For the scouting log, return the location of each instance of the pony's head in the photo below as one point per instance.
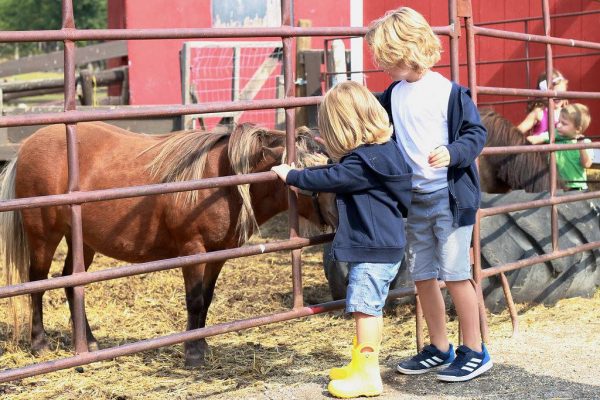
(182, 156)
(256, 149)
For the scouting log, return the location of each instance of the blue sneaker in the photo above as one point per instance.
(467, 365)
(428, 359)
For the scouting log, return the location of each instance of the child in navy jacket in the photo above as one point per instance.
(372, 183)
(438, 130)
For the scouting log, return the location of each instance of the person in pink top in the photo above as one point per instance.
(536, 121)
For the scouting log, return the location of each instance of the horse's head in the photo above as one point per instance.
(322, 209)
(255, 149)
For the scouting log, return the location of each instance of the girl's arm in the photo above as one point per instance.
(531, 119)
(346, 177)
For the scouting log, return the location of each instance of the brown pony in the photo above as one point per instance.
(142, 229)
(501, 173)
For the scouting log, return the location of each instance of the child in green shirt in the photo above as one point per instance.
(571, 164)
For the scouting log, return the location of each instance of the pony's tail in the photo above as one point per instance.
(14, 249)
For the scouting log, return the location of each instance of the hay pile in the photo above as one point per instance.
(242, 364)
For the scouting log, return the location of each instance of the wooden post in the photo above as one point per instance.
(302, 43)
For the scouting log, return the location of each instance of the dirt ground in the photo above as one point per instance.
(553, 357)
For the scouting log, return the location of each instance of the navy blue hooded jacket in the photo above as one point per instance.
(466, 138)
(373, 192)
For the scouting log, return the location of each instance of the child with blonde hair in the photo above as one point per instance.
(438, 130)
(573, 121)
(371, 181)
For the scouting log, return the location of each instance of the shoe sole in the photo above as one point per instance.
(355, 395)
(474, 374)
(419, 371)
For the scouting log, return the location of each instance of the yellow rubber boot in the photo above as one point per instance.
(364, 378)
(344, 372)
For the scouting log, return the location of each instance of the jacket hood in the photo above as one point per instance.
(388, 164)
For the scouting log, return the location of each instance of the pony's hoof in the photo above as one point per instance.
(40, 349)
(194, 361)
(93, 346)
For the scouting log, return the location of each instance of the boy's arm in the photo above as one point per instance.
(345, 177)
(584, 156)
(471, 140)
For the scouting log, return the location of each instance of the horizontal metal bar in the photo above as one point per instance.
(116, 113)
(160, 265)
(540, 18)
(537, 93)
(184, 33)
(539, 259)
(169, 340)
(134, 191)
(550, 201)
(538, 148)
(526, 37)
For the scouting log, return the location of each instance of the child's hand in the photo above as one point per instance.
(439, 157)
(281, 171)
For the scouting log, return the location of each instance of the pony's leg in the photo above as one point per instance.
(41, 253)
(88, 257)
(200, 283)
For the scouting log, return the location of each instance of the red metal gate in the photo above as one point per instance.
(69, 34)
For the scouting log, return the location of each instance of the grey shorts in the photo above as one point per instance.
(368, 287)
(436, 249)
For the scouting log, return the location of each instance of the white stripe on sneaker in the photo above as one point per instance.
(468, 368)
(476, 359)
(436, 358)
(472, 364)
(431, 362)
(425, 364)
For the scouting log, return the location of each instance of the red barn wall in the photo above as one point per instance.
(582, 72)
(154, 64)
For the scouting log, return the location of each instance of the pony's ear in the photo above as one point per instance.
(273, 154)
(310, 139)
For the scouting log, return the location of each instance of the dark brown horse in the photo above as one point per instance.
(149, 228)
(501, 173)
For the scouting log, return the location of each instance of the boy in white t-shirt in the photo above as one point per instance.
(438, 130)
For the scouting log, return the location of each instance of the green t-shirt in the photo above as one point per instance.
(568, 164)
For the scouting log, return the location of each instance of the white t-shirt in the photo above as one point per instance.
(419, 110)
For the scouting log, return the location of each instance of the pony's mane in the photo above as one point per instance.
(528, 171)
(183, 156)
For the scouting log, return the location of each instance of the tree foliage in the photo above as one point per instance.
(25, 15)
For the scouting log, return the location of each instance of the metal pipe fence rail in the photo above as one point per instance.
(69, 34)
(553, 200)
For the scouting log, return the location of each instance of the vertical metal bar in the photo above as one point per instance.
(527, 63)
(471, 66)
(550, 84)
(291, 151)
(78, 312)
(235, 96)
(510, 303)
(454, 41)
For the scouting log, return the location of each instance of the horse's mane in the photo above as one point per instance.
(183, 156)
(528, 171)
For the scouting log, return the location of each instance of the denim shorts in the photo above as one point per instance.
(368, 286)
(436, 248)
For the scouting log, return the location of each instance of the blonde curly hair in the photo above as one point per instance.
(403, 37)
